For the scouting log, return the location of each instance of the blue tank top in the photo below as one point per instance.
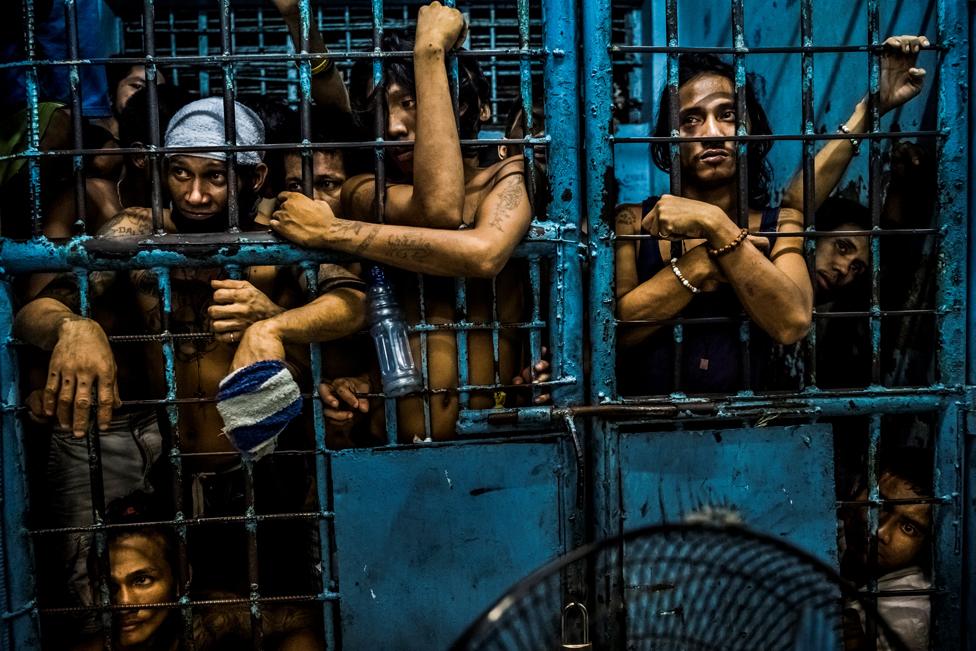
(711, 353)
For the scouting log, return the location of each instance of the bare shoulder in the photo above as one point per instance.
(508, 168)
(357, 196)
(627, 219)
(130, 222)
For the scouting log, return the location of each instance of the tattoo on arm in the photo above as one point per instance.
(509, 199)
(409, 247)
(364, 245)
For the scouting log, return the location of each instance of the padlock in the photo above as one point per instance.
(585, 619)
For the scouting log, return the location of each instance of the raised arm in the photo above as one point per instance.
(775, 291)
(436, 197)
(328, 89)
(500, 223)
(900, 81)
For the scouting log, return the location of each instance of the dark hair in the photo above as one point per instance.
(691, 65)
(473, 88)
(274, 112)
(836, 211)
(911, 464)
(139, 510)
(134, 120)
(116, 71)
(329, 124)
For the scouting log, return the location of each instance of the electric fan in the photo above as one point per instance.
(683, 586)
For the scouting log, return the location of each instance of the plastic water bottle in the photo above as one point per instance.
(389, 331)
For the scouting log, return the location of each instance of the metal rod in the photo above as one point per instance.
(77, 163)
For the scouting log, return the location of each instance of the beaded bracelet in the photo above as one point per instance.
(681, 277)
(731, 246)
(855, 142)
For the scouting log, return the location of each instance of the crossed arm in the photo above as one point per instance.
(775, 292)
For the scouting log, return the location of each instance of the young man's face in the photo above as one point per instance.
(198, 186)
(903, 529)
(401, 124)
(133, 81)
(839, 260)
(707, 104)
(328, 175)
(140, 574)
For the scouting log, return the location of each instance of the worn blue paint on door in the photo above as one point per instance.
(780, 480)
(427, 537)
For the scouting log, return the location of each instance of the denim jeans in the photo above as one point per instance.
(129, 448)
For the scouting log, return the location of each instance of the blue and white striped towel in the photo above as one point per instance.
(257, 402)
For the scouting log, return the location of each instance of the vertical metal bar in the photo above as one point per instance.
(873, 515)
(323, 479)
(806, 101)
(597, 93)
(20, 630)
(77, 161)
(97, 487)
(262, 71)
(230, 121)
(741, 114)
(493, 72)
(173, 50)
(253, 567)
(33, 121)
(953, 206)
(525, 89)
(495, 328)
(175, 455)
(950, 573)
(305, 97)
(460, 283)
(741, 166)
(424, 368)
(535, 336)
(561, 103)
(203, 49)
(674, 150)
(874, 185)
(155, 128)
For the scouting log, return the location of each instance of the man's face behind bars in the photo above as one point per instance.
(707, 110)
(140, 574)
(401, 124)
(198, 187)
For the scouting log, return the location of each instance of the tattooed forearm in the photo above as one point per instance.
(407, 247)
(370, 236)
(508, 200)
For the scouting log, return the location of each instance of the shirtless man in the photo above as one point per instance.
(446, 218)
(204, 301)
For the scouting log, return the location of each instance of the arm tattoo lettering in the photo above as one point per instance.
(364, 245)
(508, 200)
(408, 247)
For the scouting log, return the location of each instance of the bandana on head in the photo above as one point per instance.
(201, 124)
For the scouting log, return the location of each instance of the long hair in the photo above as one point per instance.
(691, 65)
(473, 88)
